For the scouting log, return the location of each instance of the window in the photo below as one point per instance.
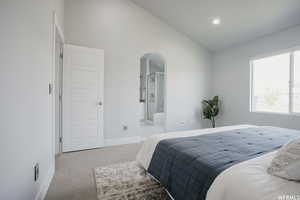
(275, 83)
(296, 85)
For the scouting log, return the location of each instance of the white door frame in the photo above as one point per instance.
(56, 28)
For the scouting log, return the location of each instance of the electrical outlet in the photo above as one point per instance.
(36, 172)
(125, 128)
(50, 88)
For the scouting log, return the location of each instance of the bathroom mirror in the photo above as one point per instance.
(152, 89)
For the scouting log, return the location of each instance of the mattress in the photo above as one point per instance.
(221, 186)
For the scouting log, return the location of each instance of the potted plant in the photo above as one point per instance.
(211, 109)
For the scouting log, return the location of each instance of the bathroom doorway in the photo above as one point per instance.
(153, 90)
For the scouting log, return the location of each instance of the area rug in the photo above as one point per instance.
(127, 181)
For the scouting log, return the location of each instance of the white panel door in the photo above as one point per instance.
(83, 82)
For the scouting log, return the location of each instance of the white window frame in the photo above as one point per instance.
(291, 52)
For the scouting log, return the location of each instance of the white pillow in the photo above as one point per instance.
(286, 163)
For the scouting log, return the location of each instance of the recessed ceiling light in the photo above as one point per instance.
(216, 21)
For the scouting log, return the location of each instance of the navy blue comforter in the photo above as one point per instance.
(187, 167)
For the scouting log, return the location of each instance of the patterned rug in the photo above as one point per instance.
(127, 181)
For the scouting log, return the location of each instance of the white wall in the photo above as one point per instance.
(231, 80)
(25, 108)
(126, 32)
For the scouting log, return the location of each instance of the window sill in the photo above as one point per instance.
(276, 113)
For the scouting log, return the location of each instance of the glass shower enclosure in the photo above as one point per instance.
(155, 94)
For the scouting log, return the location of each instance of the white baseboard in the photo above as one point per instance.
(46, 183)
(127, 140)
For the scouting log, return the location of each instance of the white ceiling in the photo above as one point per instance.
(242, 20)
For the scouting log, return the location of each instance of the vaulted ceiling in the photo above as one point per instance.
(241, 20)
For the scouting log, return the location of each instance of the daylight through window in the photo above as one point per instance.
(275, 83)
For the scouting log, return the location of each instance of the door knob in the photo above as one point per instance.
(100, 103)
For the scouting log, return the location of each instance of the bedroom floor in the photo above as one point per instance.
(73, 179)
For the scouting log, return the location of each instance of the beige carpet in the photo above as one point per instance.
(74, 176)
(127, 181)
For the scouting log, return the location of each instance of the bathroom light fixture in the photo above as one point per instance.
(216, 21)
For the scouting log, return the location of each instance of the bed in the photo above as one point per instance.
(212, 163)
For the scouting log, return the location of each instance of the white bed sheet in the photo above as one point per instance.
(248, 180)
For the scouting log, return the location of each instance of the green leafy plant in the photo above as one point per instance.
(211, 109)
